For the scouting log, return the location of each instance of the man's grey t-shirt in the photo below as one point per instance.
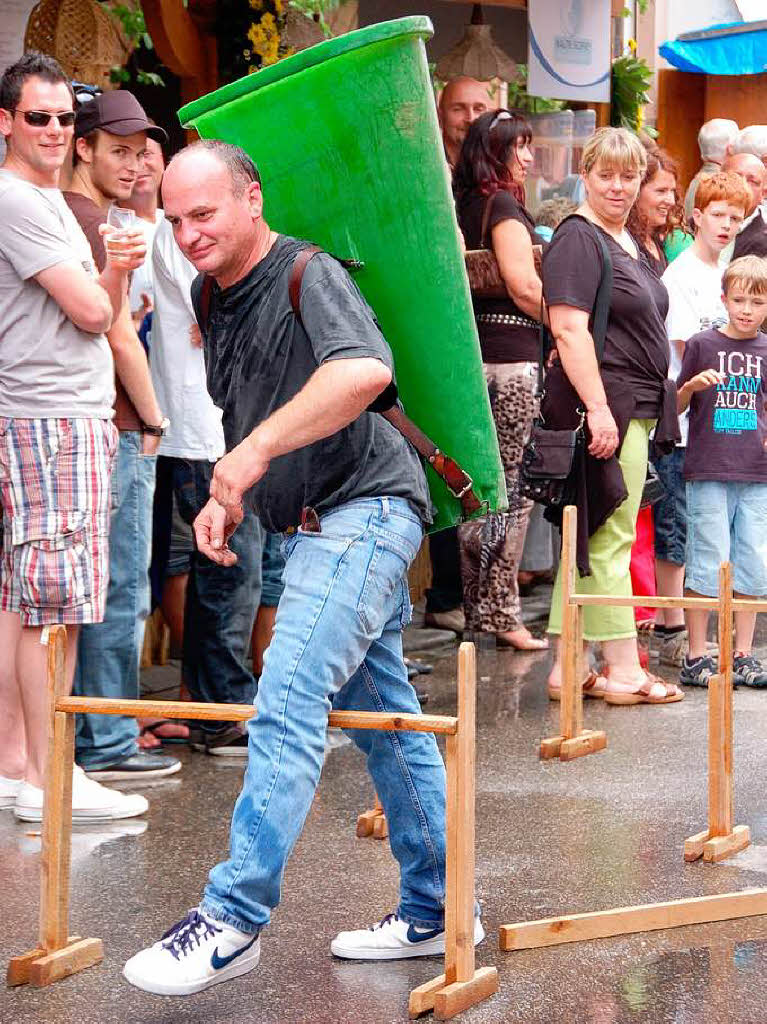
(48, 366)
(259, 356)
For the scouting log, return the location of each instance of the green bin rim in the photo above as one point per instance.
(417, 25)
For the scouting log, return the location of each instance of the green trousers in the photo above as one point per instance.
(610, 550)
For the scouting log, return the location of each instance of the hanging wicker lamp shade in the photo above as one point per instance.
(477, 56)
(81, 34)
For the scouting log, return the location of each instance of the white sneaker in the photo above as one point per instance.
(394, 939)
(90, 801)
(9, 789)
(196, 953)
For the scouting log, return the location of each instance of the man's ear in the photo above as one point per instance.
(84, 150)
(6, 119)
(255, 199)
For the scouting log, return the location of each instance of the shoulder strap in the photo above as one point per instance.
(485, 221)
(457, 481)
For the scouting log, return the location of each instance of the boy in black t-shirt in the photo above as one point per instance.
(722, 381)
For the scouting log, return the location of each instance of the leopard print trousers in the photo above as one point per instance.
(491, 547)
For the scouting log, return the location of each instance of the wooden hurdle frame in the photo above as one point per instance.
(721, 839)
(59, 955)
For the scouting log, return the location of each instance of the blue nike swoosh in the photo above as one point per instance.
(414, 936)
(217, 962)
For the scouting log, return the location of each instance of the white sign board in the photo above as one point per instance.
(568, 48)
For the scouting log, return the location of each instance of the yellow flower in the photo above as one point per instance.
(257, 5)
(632, 43)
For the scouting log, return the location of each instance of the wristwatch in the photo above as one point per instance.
(159, 431)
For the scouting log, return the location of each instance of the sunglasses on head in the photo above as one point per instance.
(40, 118)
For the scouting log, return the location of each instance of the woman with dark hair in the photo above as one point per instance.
(488, 183)
(658, 208)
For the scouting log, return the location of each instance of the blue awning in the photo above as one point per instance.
(736, 49)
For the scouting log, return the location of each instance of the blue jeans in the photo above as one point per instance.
(221, 602)
(337, 644)
(109, 652)
(726, 522)
(669, 515)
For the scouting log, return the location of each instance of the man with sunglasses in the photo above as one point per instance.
(57, 439)
(111, 132)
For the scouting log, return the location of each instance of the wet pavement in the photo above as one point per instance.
(604, 831)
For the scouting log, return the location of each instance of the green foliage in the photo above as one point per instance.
(631, 79)
(520, 99)
(315, 10)
(133, 26)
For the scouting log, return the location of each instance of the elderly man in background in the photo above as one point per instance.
(714, 141)
(751, 239)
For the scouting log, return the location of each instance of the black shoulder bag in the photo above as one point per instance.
(549, 457)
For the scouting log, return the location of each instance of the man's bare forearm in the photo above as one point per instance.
(333, 397)
(132, 367)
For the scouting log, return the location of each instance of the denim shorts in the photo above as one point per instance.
(726, 521)
(669, 515)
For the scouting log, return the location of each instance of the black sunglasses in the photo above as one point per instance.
(40, 118)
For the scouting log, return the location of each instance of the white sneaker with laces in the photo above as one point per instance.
(9, 789)
(90, 801)
(193, 955)
(394, 939)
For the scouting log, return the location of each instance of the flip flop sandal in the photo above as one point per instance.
(642, 695)
(158, 735)
(589, 687)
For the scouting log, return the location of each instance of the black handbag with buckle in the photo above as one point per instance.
(550, 456)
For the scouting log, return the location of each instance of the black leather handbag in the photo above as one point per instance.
(550, 456)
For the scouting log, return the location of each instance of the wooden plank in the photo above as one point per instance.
(451, 860)
(604, 924)
(365, 823)
(422, 998)
(568, 713)
(648, 601)
(63, 962)
(380, 827)
(465, 811)
(720, 717)
(57, 835)
(439, 724)
(461, 995)
(757, 605)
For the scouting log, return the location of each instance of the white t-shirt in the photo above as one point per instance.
(141, 280)
(178, 366)
(694, 305)
(48, 366)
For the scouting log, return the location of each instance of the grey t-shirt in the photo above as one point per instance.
(48, 366)
(259, 357)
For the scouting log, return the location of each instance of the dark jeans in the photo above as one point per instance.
(446, 591)
(221, 602)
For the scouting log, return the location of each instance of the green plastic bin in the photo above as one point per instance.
(347, 143)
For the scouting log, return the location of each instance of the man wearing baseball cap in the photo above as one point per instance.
(110, 138)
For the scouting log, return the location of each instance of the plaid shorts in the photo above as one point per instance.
(55, 498)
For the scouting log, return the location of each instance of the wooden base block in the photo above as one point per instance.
(448, 1000)
(693, 847)
(372, 823)
(604, 924)
(461, 995)
(719, 847)
(716, 848)
(46, 968)
(588, 742)
(422, 998)
(365, 823)
(18, 968)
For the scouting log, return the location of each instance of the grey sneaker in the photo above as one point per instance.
(229, 742)
(748, 671)
(672, 649)
(698, 671)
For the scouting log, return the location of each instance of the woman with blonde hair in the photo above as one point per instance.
(621, 397)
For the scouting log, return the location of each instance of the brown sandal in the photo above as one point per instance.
(589, 687)
(642, 695)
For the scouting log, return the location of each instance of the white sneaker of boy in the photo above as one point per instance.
(193, 955)
(394, 939)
